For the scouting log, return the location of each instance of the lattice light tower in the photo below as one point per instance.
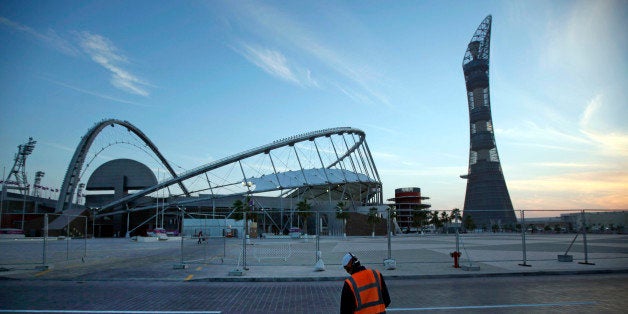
(487, 200)
(19, 166)
(37, 184)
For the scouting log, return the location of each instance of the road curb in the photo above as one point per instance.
(413, 277)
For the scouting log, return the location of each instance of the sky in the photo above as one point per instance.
(208, 79)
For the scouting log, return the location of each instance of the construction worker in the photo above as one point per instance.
(365, 291)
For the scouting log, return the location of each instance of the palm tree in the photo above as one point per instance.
(341, 213)
(303, 209)
(372, 219)
(434, 220)
(444, 218)
(249, 208)
(239, 208)
(455, 215)
(237, 213)
(419, 218)
(468, 223)
(392, 214)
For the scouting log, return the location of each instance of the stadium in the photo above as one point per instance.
(289, 184)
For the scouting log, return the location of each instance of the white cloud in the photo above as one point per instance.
(583, 40)
(104, 52)
(354, 95)
(567, 165)
(272, 25)
(50, 37)
(386, 156)
(100, 49)
(555, 137)
(276, 64)
(418, 171)
(612, 143)
(590, 110)
(84, 91)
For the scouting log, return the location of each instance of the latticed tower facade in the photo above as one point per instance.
(487, 200)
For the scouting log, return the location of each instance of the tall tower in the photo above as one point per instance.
(487, 200)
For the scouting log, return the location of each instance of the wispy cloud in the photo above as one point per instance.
(614, 143)
(359, 81)
(84, 91)
(385, 155)
(587, 31)
(354, 95)
(276, 64)
(417, 172)
(60, 147)
(574, 165)
(100, 49)
(590, 110)
(532, 133)
(104, 52)
(49, 38)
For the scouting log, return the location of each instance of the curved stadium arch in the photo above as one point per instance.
(324, 166)
(73, 175)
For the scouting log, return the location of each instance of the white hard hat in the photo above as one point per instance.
(347, 258)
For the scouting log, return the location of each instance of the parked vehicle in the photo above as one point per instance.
(295, 232)
(159, 233)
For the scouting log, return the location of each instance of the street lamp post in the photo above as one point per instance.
(2, 200)
(245, 233)
(94, 211)
(24, 208)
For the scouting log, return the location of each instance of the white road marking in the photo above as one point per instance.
(488, 306)
(109, 312)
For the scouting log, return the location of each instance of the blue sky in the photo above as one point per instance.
(208, 79)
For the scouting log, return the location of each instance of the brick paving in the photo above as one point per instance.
(520, 294)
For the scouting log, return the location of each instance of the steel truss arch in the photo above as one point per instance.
(480, 45)
(322, 175)
(72, 175)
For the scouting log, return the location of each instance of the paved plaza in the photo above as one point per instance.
(117, 275)
(220, 259)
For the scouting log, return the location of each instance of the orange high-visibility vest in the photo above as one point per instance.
(367, 290)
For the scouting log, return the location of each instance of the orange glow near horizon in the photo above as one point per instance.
(572, 191)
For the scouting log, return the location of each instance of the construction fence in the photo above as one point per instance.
(42, 239)
(522, 244)
(290, 239)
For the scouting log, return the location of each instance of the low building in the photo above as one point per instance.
(407, 201)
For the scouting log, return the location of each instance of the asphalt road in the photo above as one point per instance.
(598, 293)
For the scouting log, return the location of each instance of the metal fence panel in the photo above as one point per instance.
(38, 245)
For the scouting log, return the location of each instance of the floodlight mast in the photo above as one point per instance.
(19, 167)
(37, 183)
